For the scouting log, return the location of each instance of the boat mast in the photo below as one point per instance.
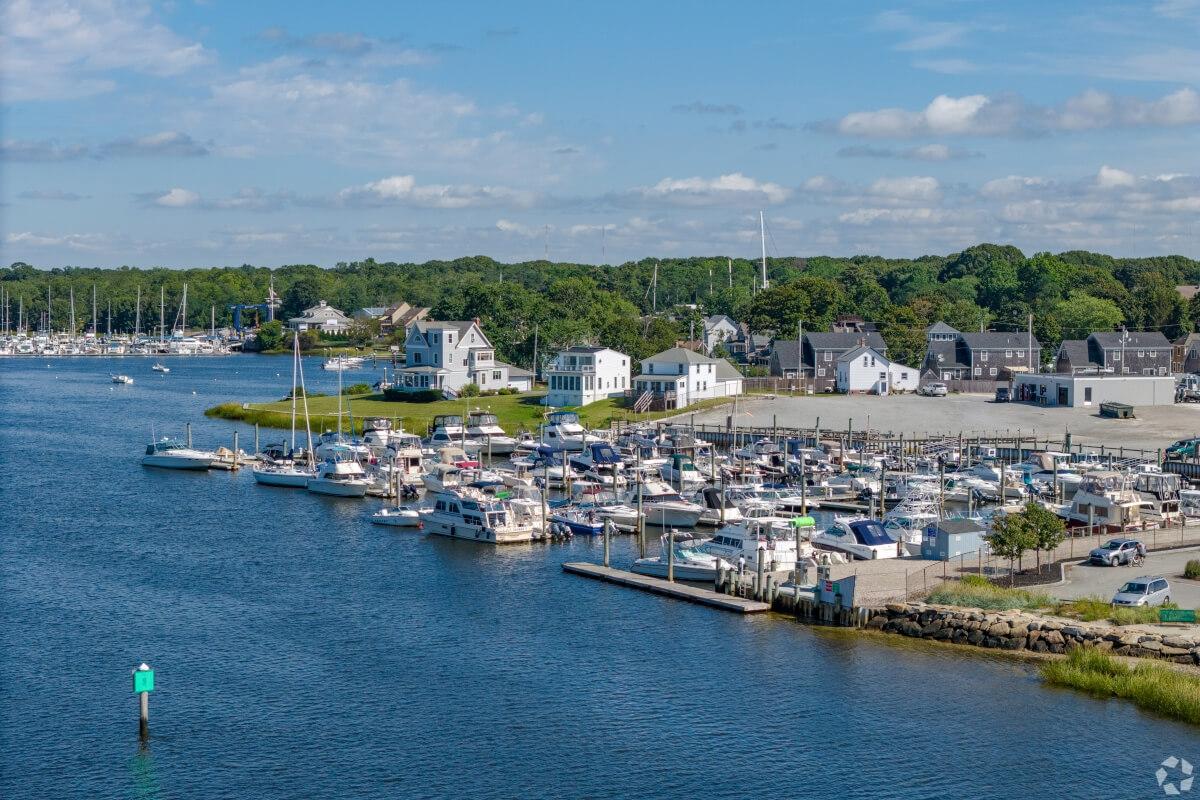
(307, 426)
(47, 309)
(21, 314)
(339, 431)
(72, 312)
(137, 313)
(94, 318)
(162, 311)
(108, 324)
(214, 326)
(295, 360)
(762, 230)
(183, 312)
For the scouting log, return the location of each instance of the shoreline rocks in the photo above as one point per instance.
(1019, 630)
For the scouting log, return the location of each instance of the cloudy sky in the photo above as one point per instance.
(202, 133)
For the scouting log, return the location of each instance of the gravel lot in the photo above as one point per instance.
(972, 414)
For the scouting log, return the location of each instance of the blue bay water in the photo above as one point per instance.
(302, 652)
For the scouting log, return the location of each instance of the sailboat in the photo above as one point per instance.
(289, 472)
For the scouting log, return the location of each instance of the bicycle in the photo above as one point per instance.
(1138, 561)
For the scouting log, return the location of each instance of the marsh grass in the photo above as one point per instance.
(1149, 686)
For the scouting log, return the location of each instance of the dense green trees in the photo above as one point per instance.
(986, 286)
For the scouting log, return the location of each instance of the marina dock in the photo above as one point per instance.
(679, 591)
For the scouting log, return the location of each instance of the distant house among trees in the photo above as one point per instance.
(322, 317)
(1120, 352)
(396, 317)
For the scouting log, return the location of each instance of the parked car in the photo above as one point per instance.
(1003, 394)
(933, 390)
(1184, 448)
(1146, 591)
(1115, 552)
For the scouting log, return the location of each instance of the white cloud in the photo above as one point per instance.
(1005, 115)
(177, 198)
(1011, 184)
(909, 188)
(734, 188)
(404, 190)
(925, 152)
(1111, 177)
(56, 49)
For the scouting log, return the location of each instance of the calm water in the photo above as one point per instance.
(302, 652)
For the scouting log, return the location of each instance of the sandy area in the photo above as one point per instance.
(1155, 426)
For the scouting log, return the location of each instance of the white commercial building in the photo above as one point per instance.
(1082, 390)
(865, 370)
(582, 375)
(678, 377)
(321, 317)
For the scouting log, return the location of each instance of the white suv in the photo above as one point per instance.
(933, 390)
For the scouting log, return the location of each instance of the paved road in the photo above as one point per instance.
(1085, 579)
(1155, 426)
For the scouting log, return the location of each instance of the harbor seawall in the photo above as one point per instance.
(1011, 630)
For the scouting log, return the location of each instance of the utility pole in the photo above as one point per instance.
(799, 360)
(535, 352)
(1031, 342)
(729, 270)
(94, 319)
(654, 290)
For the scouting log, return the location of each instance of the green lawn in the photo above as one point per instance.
(515, 412)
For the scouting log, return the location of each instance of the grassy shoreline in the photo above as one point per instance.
(1149, 686)
(514, 412)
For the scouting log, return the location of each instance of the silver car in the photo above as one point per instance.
(933, 390)
(1148, 591)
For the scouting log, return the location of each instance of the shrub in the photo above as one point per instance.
(400, 396)
(1192, 569)
(469, 390)
(1151, 687)
(975, 591)
(507, 390)
(1091, 609)
(357, 388)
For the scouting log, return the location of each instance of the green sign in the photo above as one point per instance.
(143, 680)
(1176, 615)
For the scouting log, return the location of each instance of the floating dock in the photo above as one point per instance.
(679, 591)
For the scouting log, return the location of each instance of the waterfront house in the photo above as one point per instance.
(583, 374)
(865, 370)
(1186, 356)
(676, 378)
(819, 353)
(1119, 352)
(447, 356)
(990, 357)
(719, 329)
(321, 317)
(395, 317)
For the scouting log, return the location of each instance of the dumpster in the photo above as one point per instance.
(1116, 410)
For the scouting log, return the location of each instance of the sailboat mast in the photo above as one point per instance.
(654, 290)
(162, 313)
(72, 312)
(339, 372)
(137, 313)
(48, 328)
(183, 312)
(213, 324)
(94, 318)
(762, 231)
(729, 270)
(108, 324)
(295, 360)
(307, 426)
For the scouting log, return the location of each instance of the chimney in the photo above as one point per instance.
(475, 320)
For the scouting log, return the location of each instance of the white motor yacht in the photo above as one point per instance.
(859, 537)
(663, 506)
(398, 517)
(170, 454)
(159, 367)
(600, 463)
(125, 379)
(562, 431)
(291, 475)
(1106, 499)
(688, 561)
(469, 514)
(485, 429)
(752, 540)
(680, 472)
(339, 475)
(719, 509)
(447, 430)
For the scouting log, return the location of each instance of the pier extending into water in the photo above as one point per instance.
(680, 591)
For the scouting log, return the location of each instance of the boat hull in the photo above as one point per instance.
(672, 517)
(291, 480)
(337, 488)
(474, 533)
(178, 462)
(657, 568)
(397, 520)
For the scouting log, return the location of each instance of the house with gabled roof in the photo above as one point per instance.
(395, 317)
(678, 377)
(987, 356)
(1118, 352)
(446, 356)
(321, 317)
(719, 329)
(865, 370)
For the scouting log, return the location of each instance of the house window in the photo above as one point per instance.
(496, 375)
(449, 338)
(1008, 353)
(983, 356)
(829, 355)
(864, 361)
(1162, 370)
(416, 358)
(979, 370)
(992, 372)
(1116, 355)
(1087, 394)
(1020, 354)
(820, 372)
(1141, 353)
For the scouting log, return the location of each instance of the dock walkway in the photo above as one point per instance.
(679, 591)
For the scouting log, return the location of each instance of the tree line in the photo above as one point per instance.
(987, 286)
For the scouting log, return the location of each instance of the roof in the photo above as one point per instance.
(716, 319)
(1076, 351)
(423, 368)
(1188, 291)
(515, 372)
(785, 350)
(949, 355)
(320, 313)
(726, 371)
(850, 355)
(958, 525)
(845, 341)
(680, 355)
(940, 327)
(583, 348)
(1143, 339)
(998, 340)
(372, 311)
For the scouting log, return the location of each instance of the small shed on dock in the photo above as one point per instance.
(950, 538)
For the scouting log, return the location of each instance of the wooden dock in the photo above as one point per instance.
(679, 591)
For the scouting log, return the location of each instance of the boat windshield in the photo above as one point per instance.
(870, 532)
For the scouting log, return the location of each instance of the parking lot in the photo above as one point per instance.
(1085, 580)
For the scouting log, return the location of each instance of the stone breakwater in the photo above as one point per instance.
(1014, 630)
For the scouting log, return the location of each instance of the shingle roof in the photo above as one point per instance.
(850, 355)
(949, 353)
(845, 341)
(726, 371)
(677, 355)
(715, 319)
(1132, 339)
(785, 352)
(940, 327)
(372, 311)
(1076, 351)
(515, 372)
(992, 340)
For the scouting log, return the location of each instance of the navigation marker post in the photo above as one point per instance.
(143, 685)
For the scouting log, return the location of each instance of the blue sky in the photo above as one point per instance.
(208, 133)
